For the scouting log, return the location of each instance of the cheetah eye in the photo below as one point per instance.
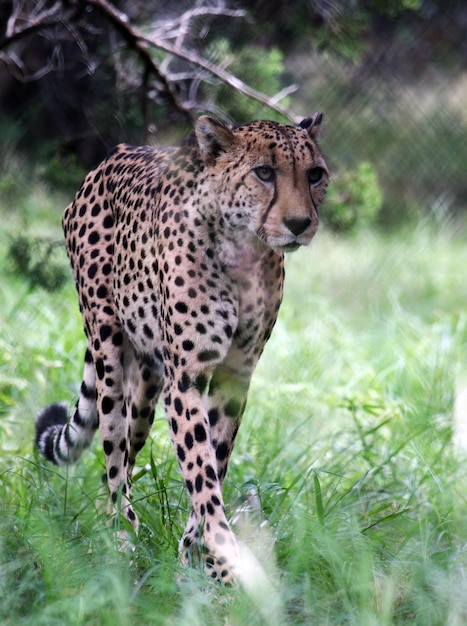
(315, 175)
(265, 173)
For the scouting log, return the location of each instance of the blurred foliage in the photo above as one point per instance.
(354, 199)
(259, 68)
(8, 185)
(35, 260)
(15, 169)
(337, 28)
(61, 169)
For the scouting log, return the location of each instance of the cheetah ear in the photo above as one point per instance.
(312, 124)
(213, 137)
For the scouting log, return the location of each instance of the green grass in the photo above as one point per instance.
(346, 453)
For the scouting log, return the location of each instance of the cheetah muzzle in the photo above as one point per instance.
(177, 255)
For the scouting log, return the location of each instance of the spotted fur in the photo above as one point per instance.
(177, 256)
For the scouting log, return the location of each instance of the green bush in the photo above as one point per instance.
(354, 199)
(36, 260)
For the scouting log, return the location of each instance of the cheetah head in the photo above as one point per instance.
(268, 179)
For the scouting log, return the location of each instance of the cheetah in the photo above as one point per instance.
(177, 255)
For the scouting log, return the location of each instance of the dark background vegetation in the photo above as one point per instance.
(76, 77)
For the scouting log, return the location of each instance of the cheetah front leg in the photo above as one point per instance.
(224, 405)
(208, 530)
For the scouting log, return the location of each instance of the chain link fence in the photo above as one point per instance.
(410, 127)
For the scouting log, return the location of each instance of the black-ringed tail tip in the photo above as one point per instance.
(49, 423)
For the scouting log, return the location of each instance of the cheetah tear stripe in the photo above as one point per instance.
(177, 255)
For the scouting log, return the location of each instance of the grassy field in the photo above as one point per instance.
(358, 512)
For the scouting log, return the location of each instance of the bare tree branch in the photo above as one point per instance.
(26, 20)
(141, 42)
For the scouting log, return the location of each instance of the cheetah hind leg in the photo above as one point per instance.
(141, 395)
(142, 384)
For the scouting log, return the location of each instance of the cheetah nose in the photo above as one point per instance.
(297, 225)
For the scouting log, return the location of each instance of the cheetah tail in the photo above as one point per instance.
(61, 439)
(58, 438)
